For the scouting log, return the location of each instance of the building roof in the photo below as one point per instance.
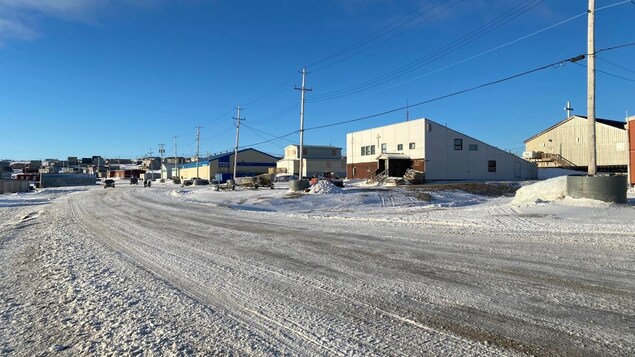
(230, 153)
(613, 123)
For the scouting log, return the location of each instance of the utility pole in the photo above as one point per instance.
(568, 109)
(161, 152)
(175, 162)
(591, 89)
(303, 90)
(198, 141)
(238, 120)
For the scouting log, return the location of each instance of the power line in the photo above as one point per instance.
(555, 64)
(608, 73)
(373, 36)
(278, 115)
(615, 64)
(435, 55)
(258, 133)
(551, 65)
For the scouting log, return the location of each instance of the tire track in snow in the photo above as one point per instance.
(351, 301)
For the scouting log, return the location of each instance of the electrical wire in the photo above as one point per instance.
(435, 55)
(615, 64)
(481, 54)
(432, 16)
(608, 73)
(278, 115)
(262, 134)
(551, 65)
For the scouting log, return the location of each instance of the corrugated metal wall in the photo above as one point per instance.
(570, 140)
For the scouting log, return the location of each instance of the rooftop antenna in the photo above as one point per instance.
(568, 109)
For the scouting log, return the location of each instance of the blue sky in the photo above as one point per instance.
(88, 77)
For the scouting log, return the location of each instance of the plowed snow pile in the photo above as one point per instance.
(544, 191)
(324, 187)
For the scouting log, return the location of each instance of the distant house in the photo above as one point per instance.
(168, 170)
(250, 162)
(440, 152)
(316, 160)
(565, 145)
(126, 173)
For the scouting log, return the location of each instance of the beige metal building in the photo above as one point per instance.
(442, 153)
(250, 162)
(566, 145)
(316, 160)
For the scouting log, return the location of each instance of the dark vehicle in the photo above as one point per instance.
(134, 181)
(109, 183)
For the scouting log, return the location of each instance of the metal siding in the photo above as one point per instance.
(445, 163)
(400, 133)
(570, 140)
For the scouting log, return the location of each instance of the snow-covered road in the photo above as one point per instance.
(133, 270)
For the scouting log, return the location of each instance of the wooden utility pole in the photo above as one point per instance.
(238, 120)
(303, 90)
(591, 90)
(198, 142)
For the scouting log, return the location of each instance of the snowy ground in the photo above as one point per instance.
(360, 271)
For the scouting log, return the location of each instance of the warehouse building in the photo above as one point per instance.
(566, 145)
(440, 152)
(250, 162)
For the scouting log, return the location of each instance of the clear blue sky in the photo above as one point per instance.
(87, 77)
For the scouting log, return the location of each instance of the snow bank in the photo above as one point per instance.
(324, 187)
(544, 191)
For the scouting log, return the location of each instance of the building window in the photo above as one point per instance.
(333, 152)
(411, 145)
(363, 150)
(354, 171)
(491, 166)
(383, 148)
(399, 147)
(428, 127)
(473, 147)
(304, 152)
(367, 150)
(372, 149)
(458, 144)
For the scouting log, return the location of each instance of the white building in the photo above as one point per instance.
(316, 160)
(440, 152)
